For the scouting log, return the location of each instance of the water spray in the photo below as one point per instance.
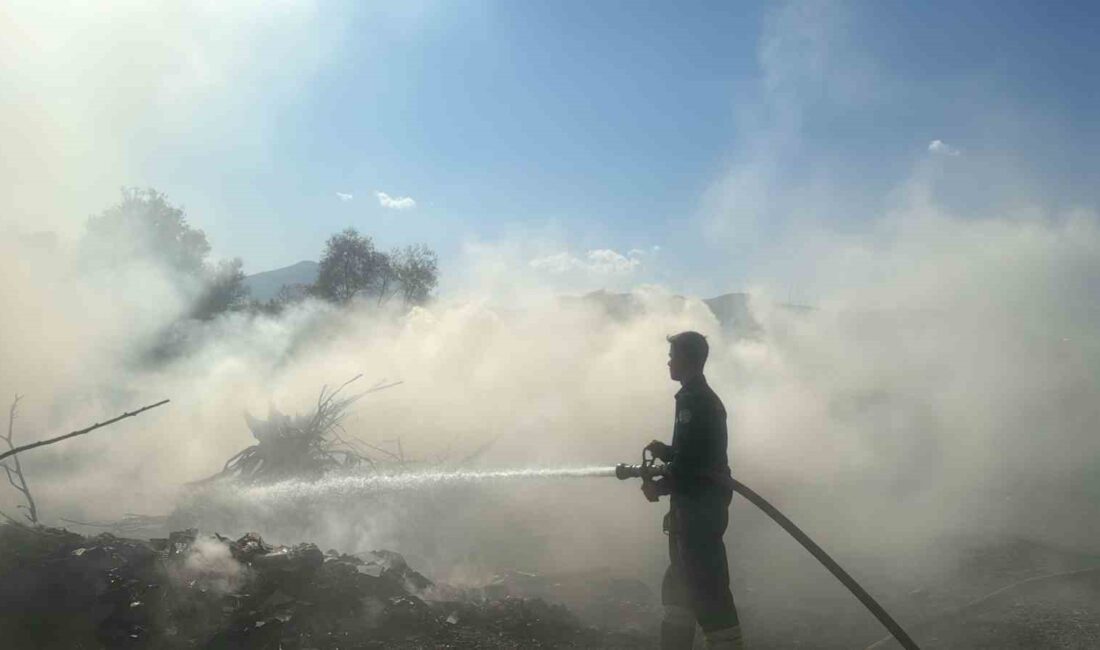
(349, 486)
(345, 486)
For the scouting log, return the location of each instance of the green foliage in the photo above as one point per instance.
(351, 266)
(224, 290)
(145, 226)
(290, 294)
(416, 269)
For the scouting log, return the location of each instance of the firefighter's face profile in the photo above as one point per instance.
(675, 365)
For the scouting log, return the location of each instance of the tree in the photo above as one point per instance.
(387, 278)
(15, 470)
(145, 226)
(416, 270)
(224, 290)
(350, 266)
(288, 295)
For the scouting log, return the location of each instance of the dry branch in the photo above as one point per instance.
(97, 425)
(300, 446)
(16, 471)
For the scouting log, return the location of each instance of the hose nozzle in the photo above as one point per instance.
(624, 471)
(647, 471)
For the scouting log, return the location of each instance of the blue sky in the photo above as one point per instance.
(707, 129)
(501, 116)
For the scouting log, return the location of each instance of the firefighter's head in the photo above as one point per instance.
(687, 354)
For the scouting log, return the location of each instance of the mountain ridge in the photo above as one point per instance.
(730, 309)
(266, 285)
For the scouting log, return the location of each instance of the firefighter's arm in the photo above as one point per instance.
(691, 458)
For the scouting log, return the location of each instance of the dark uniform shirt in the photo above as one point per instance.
(698, 573)
(699, 440)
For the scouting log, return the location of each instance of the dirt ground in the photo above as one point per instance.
(63, 590)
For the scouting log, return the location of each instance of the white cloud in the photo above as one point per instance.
(940, 147)
(605, 260)
(395, 202)
(556, 263)
(600, 261)
(344, 197)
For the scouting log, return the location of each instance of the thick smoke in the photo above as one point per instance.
(941, 387)
(211, 564)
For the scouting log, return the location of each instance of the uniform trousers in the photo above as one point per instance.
(696, 587)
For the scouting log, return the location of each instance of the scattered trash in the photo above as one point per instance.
(372, 570)
(198, 591)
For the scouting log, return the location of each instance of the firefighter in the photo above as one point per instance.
(696, 587)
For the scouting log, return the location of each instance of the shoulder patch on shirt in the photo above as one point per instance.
(684, 416)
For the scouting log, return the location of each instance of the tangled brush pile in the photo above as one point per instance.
(299, 446)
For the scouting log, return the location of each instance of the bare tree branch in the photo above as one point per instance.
(304, 445)
(81, 432)
(17, 472)
(11, 418)
(10, 478)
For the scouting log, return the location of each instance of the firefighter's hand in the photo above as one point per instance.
(651, 491)
(660, 451)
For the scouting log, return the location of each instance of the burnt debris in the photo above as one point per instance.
(63, 590)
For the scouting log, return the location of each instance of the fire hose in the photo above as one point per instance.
(649, 470)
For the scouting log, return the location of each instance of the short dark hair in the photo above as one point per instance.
(691, 345)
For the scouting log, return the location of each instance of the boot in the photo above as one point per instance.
(725, 639)
(677, 637)
(677, 629)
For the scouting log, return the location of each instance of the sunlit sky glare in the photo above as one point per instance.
(553, 129)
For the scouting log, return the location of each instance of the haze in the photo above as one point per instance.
(917, 235)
